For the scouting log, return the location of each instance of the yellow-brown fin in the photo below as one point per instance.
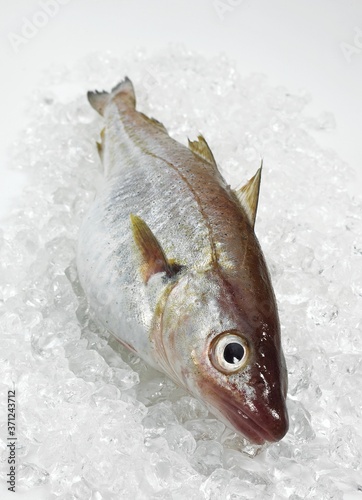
(248, 195)
(101, 145)
(153, 257)
(202, 149)
(154, 122)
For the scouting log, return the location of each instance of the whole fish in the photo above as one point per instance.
(170, 263)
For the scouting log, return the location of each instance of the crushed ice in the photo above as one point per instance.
(93, 420)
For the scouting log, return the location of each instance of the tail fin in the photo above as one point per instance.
(124, 91)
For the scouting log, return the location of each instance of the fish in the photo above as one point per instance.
(171, 266)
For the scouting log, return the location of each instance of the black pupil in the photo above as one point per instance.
(233, 353)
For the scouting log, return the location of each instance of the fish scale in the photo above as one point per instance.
(170, 263)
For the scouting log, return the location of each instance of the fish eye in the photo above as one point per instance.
(229, 352)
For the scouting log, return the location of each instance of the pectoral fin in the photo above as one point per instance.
(153, 257)
(248, 195)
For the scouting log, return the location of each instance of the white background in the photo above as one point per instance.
(301, 45)
(298, 44)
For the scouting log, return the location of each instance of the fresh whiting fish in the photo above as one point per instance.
(170, 263)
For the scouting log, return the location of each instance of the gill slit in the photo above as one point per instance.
(156, 336)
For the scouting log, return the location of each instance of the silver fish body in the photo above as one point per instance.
(170, 263)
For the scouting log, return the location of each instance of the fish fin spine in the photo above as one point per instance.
(202, 149)
(248, 195)
(154, 122)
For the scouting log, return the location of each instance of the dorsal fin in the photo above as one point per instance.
(101, 144)
(248, 195)
(155, 122)
(202, 149)
(153, 257)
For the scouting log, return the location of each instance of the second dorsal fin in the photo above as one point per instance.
(154, 122)
(248, 195)
(202, 149)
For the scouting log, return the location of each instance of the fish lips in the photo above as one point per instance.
(260, 426)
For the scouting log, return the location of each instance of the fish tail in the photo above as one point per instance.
(122, 93)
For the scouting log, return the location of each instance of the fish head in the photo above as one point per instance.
(226, 350)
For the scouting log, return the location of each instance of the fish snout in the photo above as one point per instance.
(267, 424)
(271, 413)
(258, 420)
(276, 422)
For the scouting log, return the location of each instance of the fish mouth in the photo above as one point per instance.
(246, 424)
